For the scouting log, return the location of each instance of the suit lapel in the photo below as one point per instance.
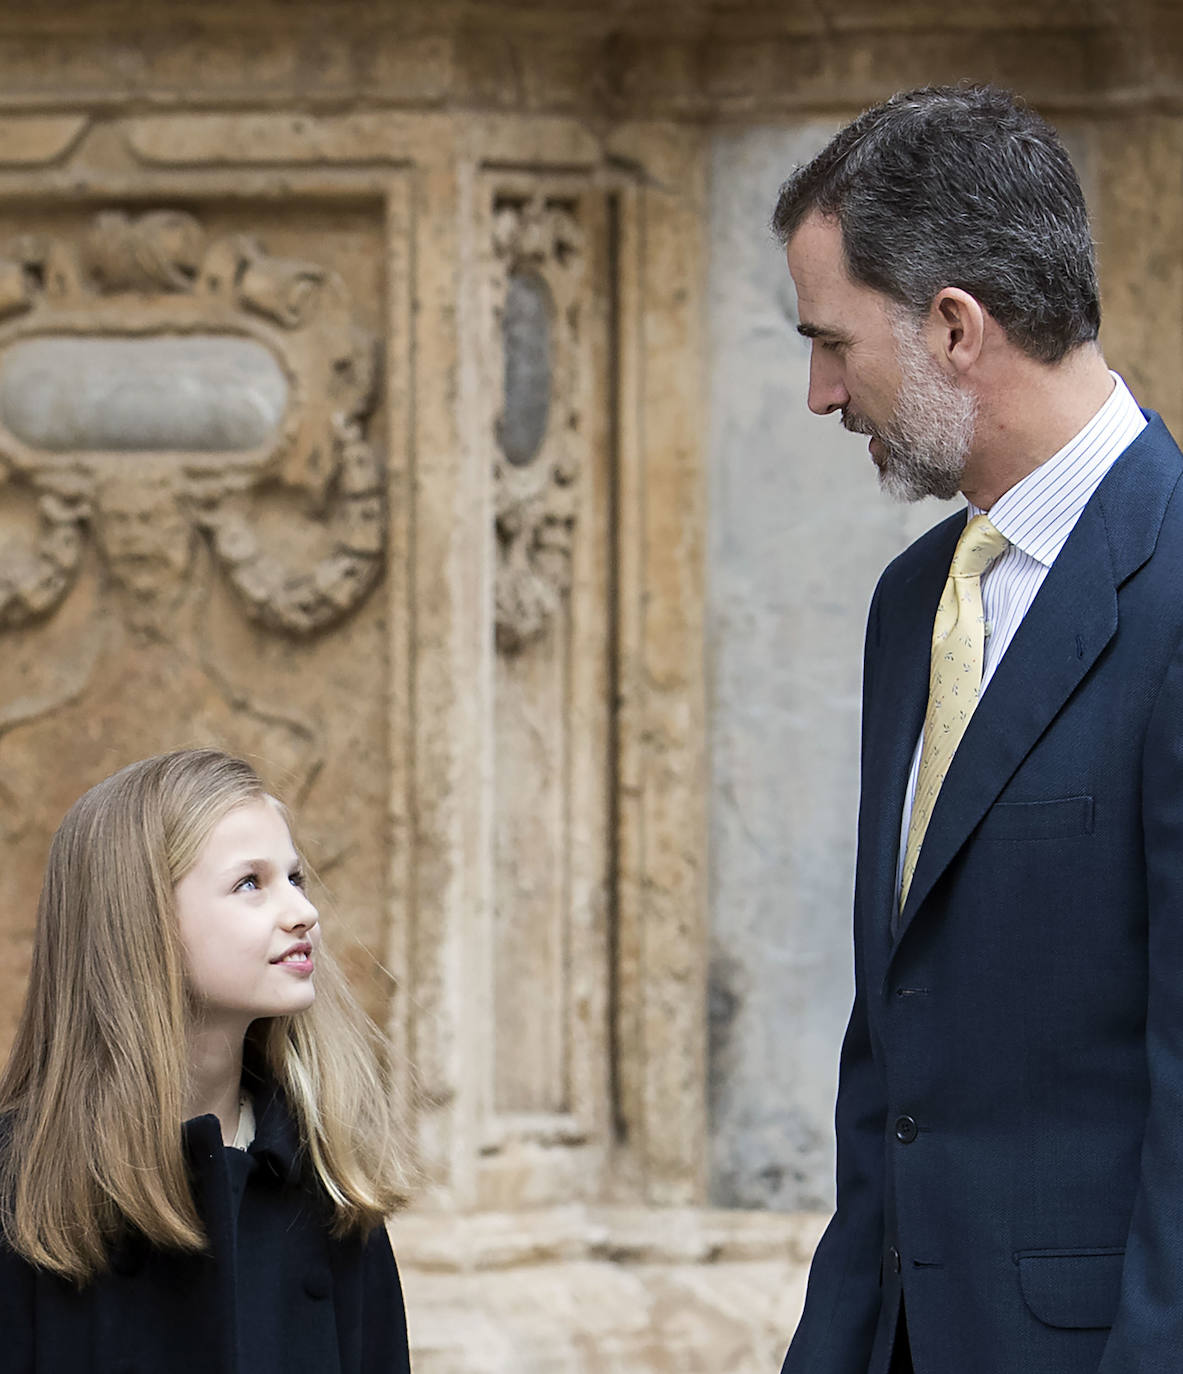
(1070, 621)
(1074, 615)
(895, 714)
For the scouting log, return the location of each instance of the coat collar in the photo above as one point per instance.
(277, 1138)
(1072, 618)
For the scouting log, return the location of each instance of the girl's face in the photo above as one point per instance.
(248, 930)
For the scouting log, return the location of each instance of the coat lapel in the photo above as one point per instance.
(1074, 615)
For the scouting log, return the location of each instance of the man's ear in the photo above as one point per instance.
(957, 327)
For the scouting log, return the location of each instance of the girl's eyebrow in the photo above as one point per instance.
(249, 865)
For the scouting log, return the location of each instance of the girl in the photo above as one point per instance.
(197, 1151)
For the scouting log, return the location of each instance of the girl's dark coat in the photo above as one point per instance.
(276, 1294)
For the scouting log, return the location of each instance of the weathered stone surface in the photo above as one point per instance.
(799, 533)
(620, 1233)
(586, 1317)
(253, 139)
(487, 696)
(122, 631)
(708, 58)
(191, 394)
(1138, 205)
(584, 1291)
(26, 140)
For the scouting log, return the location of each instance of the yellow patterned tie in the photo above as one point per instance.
(955, 675)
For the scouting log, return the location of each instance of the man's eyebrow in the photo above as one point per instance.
(818, 331)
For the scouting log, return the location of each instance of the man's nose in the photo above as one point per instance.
(827, 390)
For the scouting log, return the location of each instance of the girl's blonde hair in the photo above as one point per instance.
(94, 1086)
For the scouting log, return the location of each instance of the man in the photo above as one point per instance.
(1010, 1105)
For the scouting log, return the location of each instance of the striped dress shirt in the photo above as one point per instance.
(1037, 515)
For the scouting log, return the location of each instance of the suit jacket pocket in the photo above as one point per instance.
(1038, 820)
(1071, 1288)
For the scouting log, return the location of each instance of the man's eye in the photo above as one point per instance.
(248, 884)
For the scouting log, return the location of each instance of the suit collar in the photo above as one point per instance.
(1073, 617)
(1039, 512)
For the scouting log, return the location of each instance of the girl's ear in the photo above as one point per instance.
(956, 327)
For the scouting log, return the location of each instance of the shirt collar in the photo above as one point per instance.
(1038, 514)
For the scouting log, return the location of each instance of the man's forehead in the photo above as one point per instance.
(818, 237)
(830, 303)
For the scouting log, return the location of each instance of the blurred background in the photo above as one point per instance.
(406, 396)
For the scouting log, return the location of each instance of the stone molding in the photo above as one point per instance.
(637, 1290)
(621, 1234)
(535, 500)
(692, 62)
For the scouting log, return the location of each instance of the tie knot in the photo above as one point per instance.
(979, 545)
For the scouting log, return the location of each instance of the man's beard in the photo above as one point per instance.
(926, 442)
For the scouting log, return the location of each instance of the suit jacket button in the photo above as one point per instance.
(906, 1130)
(893, 1256)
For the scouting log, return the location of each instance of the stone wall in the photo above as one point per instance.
(345, 560)
(408, 397)
(799, 533)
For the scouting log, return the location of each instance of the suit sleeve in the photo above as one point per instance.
(1147, 1334)
(842, 1301)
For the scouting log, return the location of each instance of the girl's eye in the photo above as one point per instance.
(248, 884)
(297, 879)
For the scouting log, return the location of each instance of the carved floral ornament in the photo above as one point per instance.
(154, 385)
(538, 269)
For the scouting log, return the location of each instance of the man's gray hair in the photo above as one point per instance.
(959, 186)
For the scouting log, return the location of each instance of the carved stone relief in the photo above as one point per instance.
(153, 384)
(538, 266)
(551, 471)
(192, 523)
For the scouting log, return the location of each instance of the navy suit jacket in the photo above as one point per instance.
(1010, 1106)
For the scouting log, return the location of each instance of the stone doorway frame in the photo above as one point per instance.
(423, 169)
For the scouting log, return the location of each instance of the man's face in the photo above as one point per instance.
(869, 360)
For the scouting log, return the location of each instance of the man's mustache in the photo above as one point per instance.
(857, 424)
